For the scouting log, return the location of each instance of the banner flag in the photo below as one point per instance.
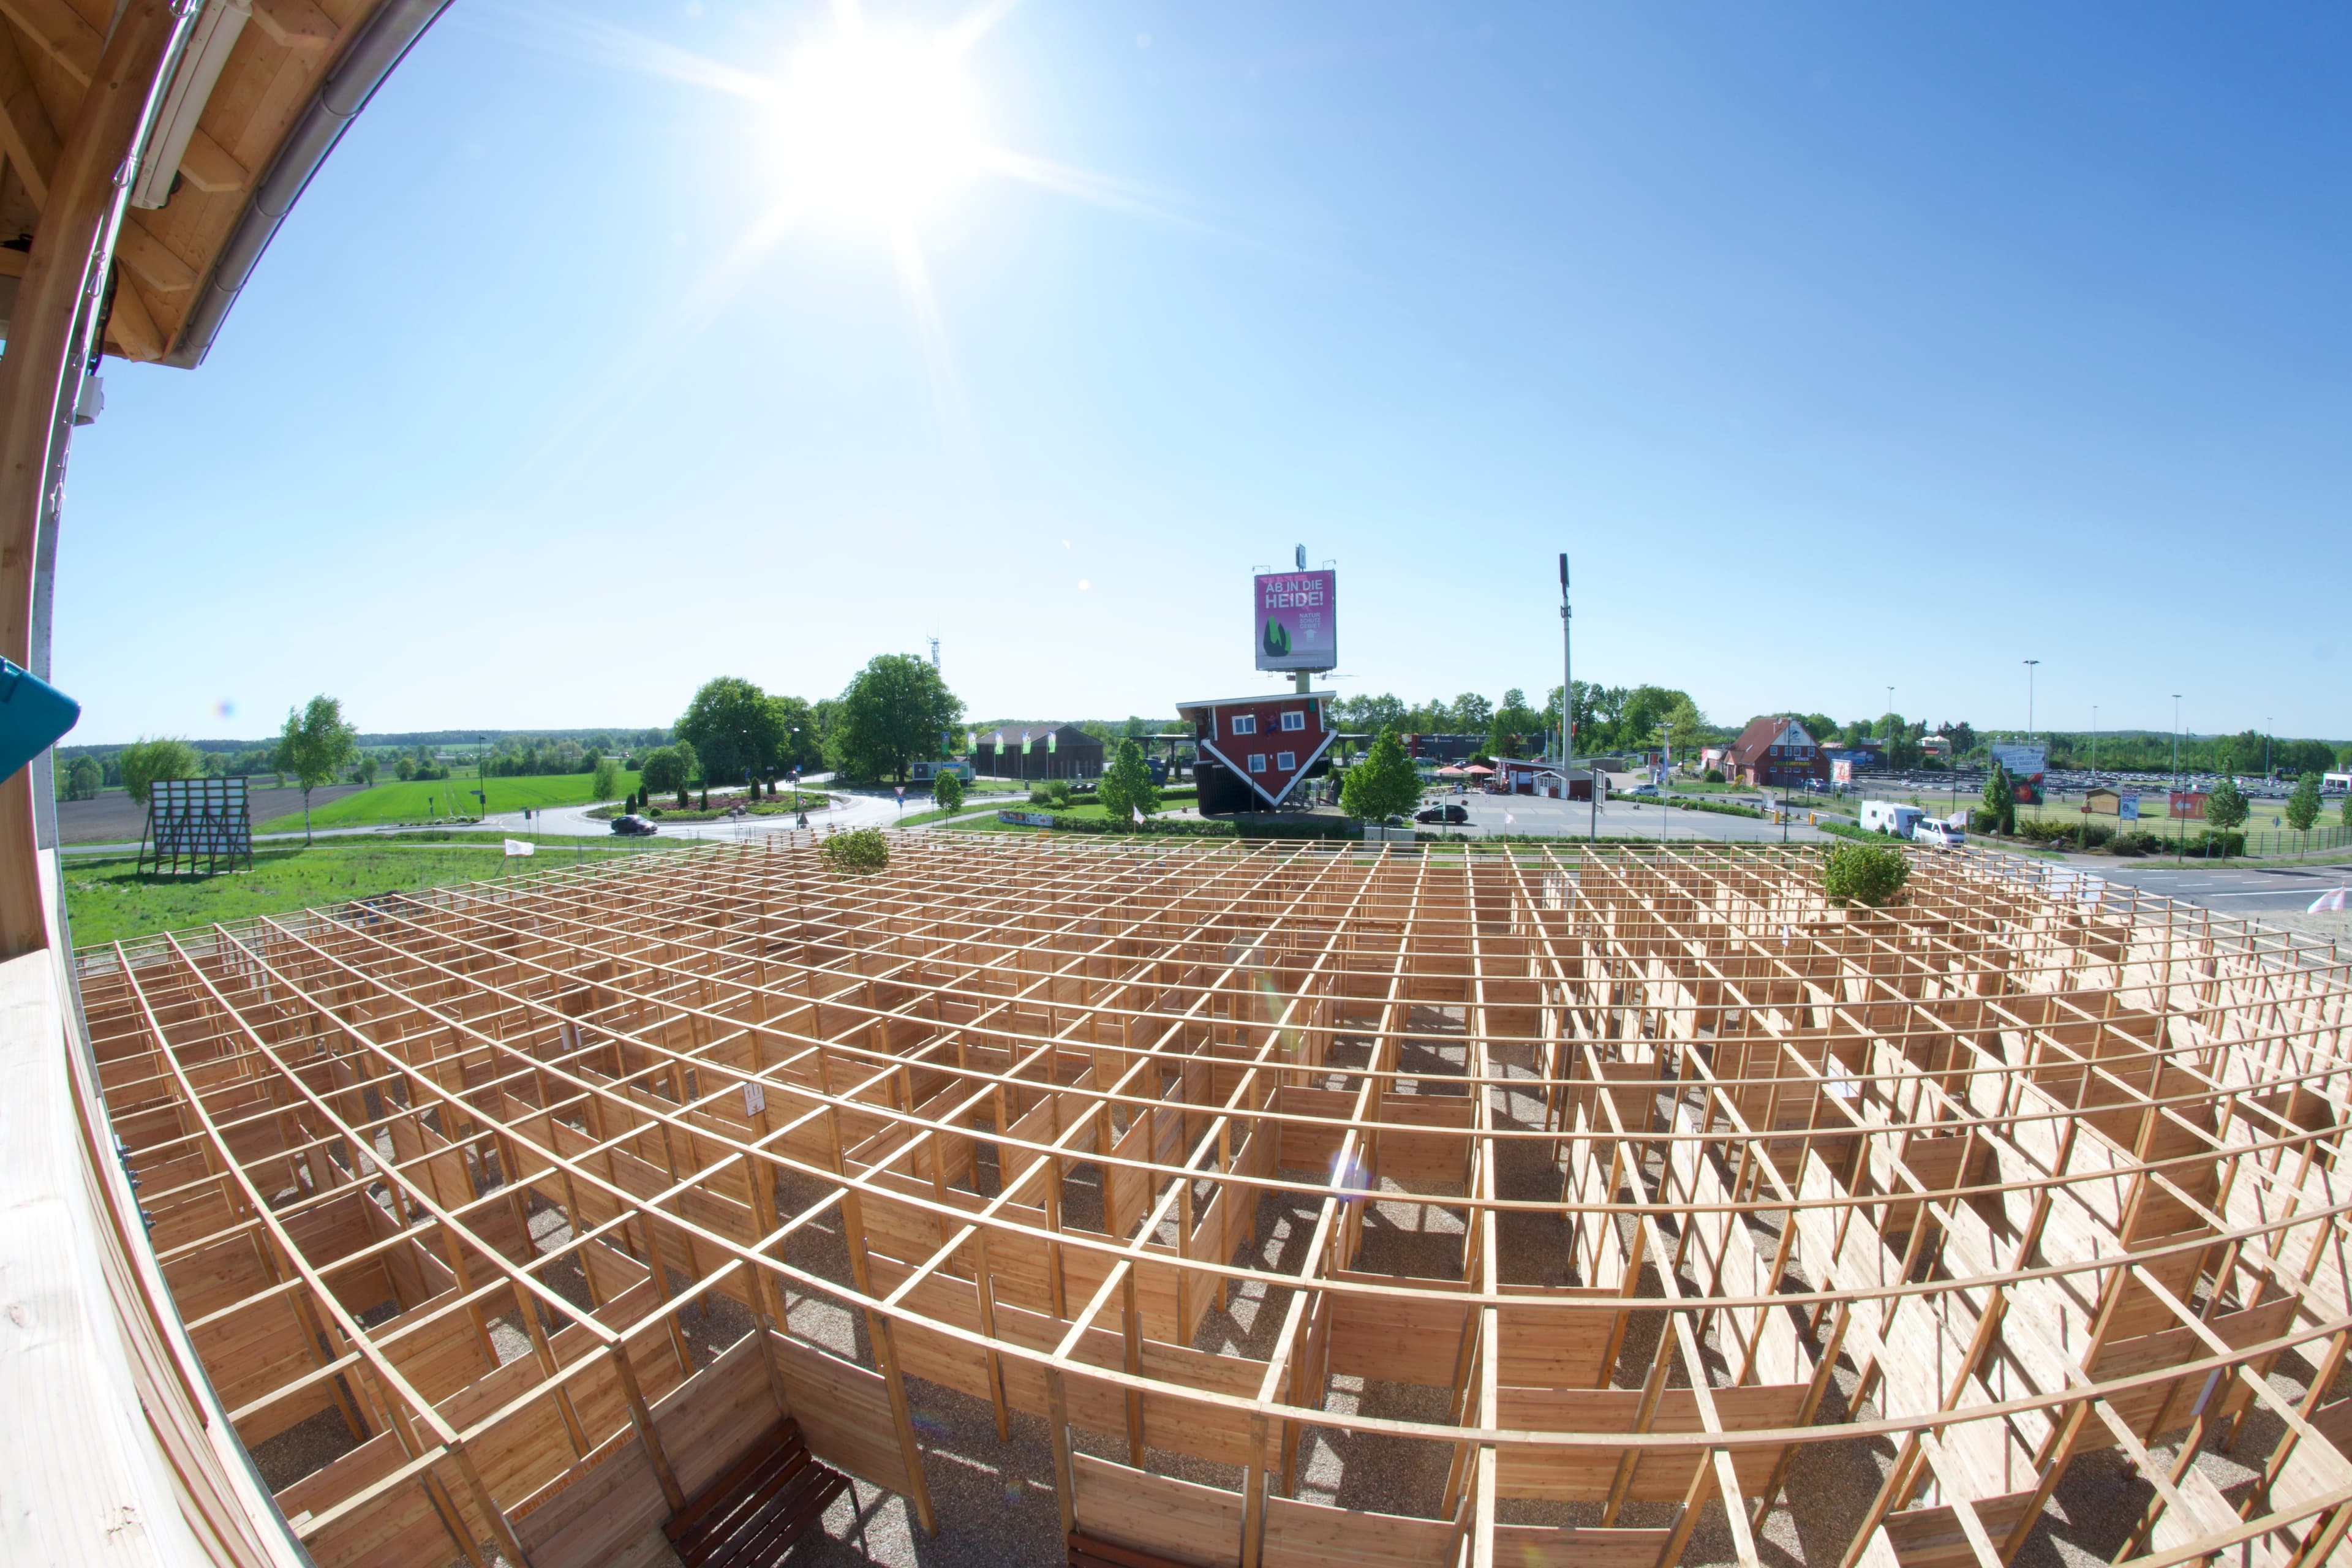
(522, 846)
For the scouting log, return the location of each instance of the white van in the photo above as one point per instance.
(1886, 816)
(1931, 830)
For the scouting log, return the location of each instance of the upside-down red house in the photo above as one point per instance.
(1255, 750)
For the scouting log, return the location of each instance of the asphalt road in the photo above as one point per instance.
(2234, 889)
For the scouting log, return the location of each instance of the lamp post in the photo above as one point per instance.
(2095, 742)
(482, 773)
(2029, 696)
(2177, 829)
(2266, 748)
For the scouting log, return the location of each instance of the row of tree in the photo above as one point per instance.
(895, 712)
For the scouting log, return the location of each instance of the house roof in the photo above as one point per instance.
(987, 733)
(1253, 698)
(1761, 735)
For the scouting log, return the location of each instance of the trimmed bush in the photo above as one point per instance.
(858, 853)
(1865, 874)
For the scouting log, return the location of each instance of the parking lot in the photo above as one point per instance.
(1619, 818)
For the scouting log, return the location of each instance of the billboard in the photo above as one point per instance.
(2189, 804)
(1296, 624)
(2026, 765)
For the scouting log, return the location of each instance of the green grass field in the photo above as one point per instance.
(428, 800)
(107, 901)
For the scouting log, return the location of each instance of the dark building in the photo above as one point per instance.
(1037, 752)
(1253, 751)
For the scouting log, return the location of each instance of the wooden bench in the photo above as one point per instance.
(751, 1516)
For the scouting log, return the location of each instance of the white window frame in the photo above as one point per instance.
(1288, 762)
(1245, 724)
(1292, 719)
(1257, 761)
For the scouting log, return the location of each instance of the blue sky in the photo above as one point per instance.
(1840, 346)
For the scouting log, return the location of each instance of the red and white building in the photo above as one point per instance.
(1253, 751)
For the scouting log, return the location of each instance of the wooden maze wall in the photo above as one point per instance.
(2045, 1169)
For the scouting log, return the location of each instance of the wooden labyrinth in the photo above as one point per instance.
(1320, 1206)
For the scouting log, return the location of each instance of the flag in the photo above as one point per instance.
(1025, 743)
(1508, 819)
(2329, 902)
(1000, 740)
(522, 846)
(972, 740)
(1051, 737)
(1138, 814)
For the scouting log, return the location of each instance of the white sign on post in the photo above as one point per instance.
(755, 1100)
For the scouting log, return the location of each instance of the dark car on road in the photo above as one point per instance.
(634, 826)
(1446, 812)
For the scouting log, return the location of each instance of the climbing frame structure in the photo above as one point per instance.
(1323, 1205)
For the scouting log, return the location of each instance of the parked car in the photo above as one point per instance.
(1445, 813)
(1932, 830)
(634, 826)
(1642, 791)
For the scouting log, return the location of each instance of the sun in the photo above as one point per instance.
(875, 127)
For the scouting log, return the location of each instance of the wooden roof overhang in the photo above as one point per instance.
(295, 74)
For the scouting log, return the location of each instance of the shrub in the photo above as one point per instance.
(1055, 793)
(1714, 775)
(1865, 873)
(947, 791)
(857, 853)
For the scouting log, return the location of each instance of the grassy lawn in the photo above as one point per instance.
(422, 800)
(108, 901)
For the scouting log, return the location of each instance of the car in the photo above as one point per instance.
(1933, 830)
(1642, 791)
(1445, 813)
(634, 826)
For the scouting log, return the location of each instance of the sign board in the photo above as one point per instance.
(1295, 617)
(2127, 808)
(203, 822)
(1027, 818)
(928, 772)
(1841, 771)
(2026, 765)
(2189, 803)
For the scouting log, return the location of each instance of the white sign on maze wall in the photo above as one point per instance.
(755, 1100)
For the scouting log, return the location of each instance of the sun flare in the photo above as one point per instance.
(875, 127)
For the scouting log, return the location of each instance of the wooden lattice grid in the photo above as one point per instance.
(2027, 1165)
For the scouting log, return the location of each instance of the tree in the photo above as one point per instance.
(145, 762)
(892, 712)
(2225, 808)
(1684, 726)
(315, 746)
(666, 772)
(2000, 799)
(799, 743)
(405, 770)
(84, 779)
(1865, 874)
(734, 728)
(1383, 785)
(605, 782)
(947, 791)
(1127, 788)
(369, 771)
(2303, 806)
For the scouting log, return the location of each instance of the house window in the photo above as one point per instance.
(1294, 720)
(1244, 723)
(1257, 761)
(1285, 760)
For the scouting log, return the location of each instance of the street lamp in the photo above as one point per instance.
(2177, 829)
(2266, 748)
(2029, 696)
(2095, 742)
